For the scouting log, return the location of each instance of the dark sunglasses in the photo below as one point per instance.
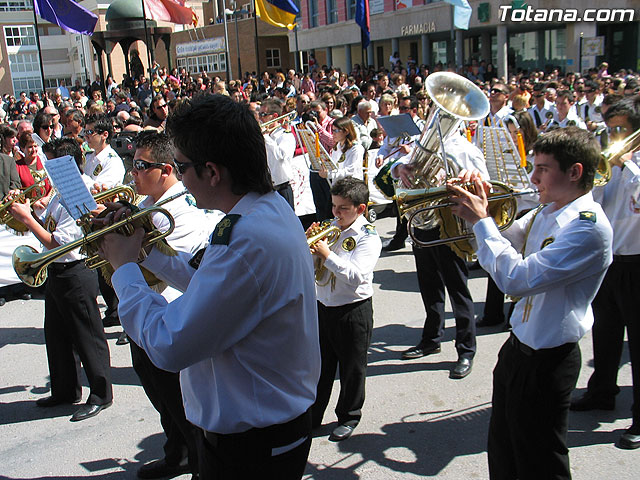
(88, 131)
(46, 127)
(403, 109)
(182, 167)
(617, 130)
(142, 165)
(497, 90)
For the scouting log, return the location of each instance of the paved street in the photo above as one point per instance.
(417, 423)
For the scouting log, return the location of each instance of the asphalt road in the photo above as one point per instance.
(417, 423)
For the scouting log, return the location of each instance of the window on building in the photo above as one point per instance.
(351, 9)
(56, 82)
(332, 11)
(313, 13)
(273, 57)
(214, 62)
(18, 36)
(439, 52)
(15, 5)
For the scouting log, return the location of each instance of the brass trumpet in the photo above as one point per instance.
(324, 231)
(31, 266)
(281, 121)
(7, 219)
(614, 152)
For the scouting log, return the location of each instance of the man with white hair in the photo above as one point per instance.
(363, 124)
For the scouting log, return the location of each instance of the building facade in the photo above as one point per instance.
(543, 35)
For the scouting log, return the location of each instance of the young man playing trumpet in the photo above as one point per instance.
(71, 317)
(154, 174)
(555, 258)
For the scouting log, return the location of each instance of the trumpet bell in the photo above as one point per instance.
(27, 263)
(614, 152)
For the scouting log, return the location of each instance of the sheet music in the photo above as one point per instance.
(66, 178)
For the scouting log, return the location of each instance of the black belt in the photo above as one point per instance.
(274, 436)
(531, 352)
(61, 267)
(626, 258)
(282, 185)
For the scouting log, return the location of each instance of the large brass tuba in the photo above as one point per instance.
(614, 151)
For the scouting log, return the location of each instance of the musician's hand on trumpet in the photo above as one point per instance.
(471, 206)
(20, 211)
(321, 247)
(118, 249)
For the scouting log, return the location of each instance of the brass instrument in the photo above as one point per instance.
(324, 231)
(34, 193)
(425, 203)
(318, 155)
(613, 152)
(281, 121)
(31, 266)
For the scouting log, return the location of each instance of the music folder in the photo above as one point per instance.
(67, 180)
(399, 125)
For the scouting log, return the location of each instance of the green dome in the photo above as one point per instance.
(124, 9)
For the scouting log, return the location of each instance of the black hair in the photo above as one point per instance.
(627, 107)
(158, 143)
(214, 128)
(352, 189)
(272, 105)
(572, 145)
(40, 120)
(101, 123)
(76, 115)
(568, 94)
(413, 101)
(59, 147)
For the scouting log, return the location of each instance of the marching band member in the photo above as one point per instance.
(281, 146)
(615, 305)
(154, 175)
(440, 267)
(71, 318)
(565, 115)
(346, 155)
(345, 309)
(106, 168)
(566, 249)
(244, 333)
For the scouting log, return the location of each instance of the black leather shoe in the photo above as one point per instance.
(341, 432)
(418, 352)
(52, 401)
(592, 402)
(25, 296)
(392, 245)
(2, 301)
(462, 368)
(88, 410)
(489, 322)
(162, 469)
(630, 439)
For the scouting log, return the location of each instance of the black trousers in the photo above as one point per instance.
(109, 296)
(345, 335)
(616, 307)
(286, 191)
(72, 325)
(401, 233)
(321, 196)
(494, 302)
(253, 454)
(531, 398)
(439, 268)
(163, 390)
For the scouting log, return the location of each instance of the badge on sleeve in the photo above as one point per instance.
(591, 216)
(222, 234)
(547, 241)
(97, 170)
(196, 259)
(348, 244)
(50, 224)
(369, 229)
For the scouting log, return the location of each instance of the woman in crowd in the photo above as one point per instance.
(346, 155)
(30, 163)
(9, 141)
(42, 129)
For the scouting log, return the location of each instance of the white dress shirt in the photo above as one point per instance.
(541, 114)
(565, 260)
(244, 335)
(352, 268)
(281, 146)
(571, 117)
(105, 167)
(193, 226)
(620, 200)
(349, 163)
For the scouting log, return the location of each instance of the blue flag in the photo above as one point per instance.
(461, 13)
(362, 19)
(67, 15)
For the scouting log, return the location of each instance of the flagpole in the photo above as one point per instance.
(146, 36)
(255, 25)
(35, 21)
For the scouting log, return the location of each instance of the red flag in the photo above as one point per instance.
(173, 11)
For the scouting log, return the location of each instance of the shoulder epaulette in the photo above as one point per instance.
(369, 229)
(586, 215)
(222, 233)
